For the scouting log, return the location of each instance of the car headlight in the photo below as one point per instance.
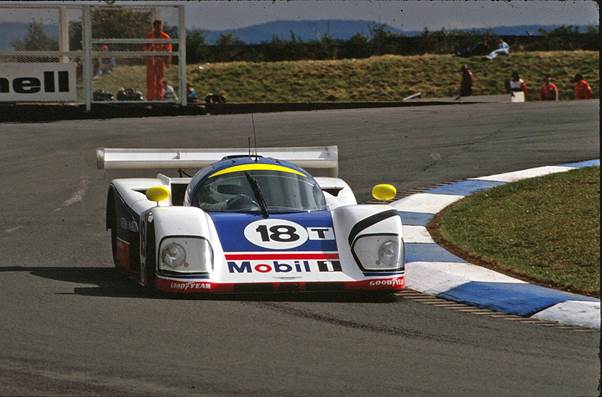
(185, 255)
(379, 252)
(173, 255)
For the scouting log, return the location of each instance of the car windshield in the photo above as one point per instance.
(282, 192)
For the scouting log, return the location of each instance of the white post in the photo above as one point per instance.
(87, 47)
(63, 33)
(182, 53)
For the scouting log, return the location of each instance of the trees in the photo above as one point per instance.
(357, 47)
(36, 39)
(382, 40)
(195, 45)
(113, 23)
(228, 46)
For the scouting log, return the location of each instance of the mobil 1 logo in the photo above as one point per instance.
(283, 234)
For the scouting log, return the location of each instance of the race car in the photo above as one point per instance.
(254, 222)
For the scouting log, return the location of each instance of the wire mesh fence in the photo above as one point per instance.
(38, 39)
(110, 47)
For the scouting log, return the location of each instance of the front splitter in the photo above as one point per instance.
(184, 286)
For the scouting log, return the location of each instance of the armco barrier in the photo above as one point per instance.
(233, 108)
(34, 113)
(24, 113)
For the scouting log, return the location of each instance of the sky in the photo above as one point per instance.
(405, 15)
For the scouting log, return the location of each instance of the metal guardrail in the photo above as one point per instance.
(134, 41)
(57, 53)
(132, 54)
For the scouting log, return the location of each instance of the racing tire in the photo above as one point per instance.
(112, 223)
(114, 246)
(150, 258)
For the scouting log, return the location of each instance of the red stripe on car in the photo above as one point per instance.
(281, 256)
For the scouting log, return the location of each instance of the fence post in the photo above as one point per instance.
(63, 33)
(182, 53)
(87, 47)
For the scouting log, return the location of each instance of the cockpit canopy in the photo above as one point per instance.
(247, 186)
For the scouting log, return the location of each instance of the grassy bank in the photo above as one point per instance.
(544, 229)
(387, 78)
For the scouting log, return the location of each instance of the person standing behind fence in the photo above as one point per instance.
(582, 88)
(466, 82)
(156, 65)
(548, 91)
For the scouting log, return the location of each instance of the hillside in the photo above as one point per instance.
(384, 78)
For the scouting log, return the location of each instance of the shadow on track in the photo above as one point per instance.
(107, 282)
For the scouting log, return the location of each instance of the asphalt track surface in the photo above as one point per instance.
(71, 326)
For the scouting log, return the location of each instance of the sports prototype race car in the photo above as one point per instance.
(250, 223)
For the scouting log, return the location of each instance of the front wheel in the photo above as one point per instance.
(147, 269)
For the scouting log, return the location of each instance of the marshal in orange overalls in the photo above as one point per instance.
(156, 66)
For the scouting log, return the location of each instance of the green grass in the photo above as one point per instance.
(543, 229)
(383, 78)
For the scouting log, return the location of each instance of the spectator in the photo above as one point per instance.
(516, 84)
(548, 91)
(466, 82)
(156, 65)
(191, 95)
(169, 94)
(582, 88)
(517, 88)
(104, 65)
(502, 49)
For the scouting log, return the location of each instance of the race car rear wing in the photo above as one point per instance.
(319, 160)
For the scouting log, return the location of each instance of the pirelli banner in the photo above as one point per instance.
(37, 82)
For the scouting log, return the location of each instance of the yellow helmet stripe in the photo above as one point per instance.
(256, 167)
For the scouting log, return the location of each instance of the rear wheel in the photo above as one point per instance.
(114, 245)
(112, 222)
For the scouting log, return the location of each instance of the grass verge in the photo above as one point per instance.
(381, 78)
(545, 230)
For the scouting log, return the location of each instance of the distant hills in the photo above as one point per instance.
(343, 29)
(305, 30)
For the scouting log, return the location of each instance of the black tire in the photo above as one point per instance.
(114, 245)
(150, 258)
(112, 222)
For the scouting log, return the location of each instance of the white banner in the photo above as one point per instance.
(37, 82)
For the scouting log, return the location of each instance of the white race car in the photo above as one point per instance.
(250, 223)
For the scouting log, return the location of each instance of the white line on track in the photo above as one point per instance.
(13, 229)
(78, 195)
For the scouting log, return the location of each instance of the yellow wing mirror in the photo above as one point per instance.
(384, 192)
(157, 193)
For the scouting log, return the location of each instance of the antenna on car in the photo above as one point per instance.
(254, 136)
